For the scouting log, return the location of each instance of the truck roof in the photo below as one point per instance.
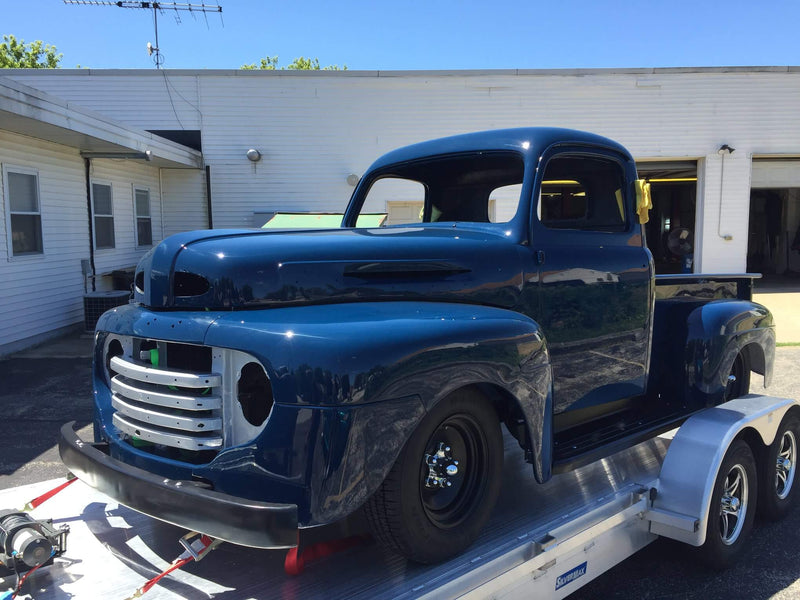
(526, 140)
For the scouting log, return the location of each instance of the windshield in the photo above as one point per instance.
(479, 187)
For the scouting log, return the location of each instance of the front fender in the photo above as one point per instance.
(362, 363)
(717, 332)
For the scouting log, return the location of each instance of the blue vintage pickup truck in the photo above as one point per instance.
(266, 382)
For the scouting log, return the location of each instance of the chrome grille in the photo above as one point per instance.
(172, 408)
(184, 401)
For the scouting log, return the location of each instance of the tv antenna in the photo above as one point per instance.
(156, 7)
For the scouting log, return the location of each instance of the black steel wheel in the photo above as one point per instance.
(777, 471)
(738, 383)
(440, 492)
(733, 502)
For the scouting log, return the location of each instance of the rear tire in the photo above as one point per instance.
(440, 492)
(777, 471)
(738, 383)
(733, 504)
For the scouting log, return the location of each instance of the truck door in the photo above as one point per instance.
(594, 282)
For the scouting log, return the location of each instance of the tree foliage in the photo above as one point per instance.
(16, 54)
(270, 63)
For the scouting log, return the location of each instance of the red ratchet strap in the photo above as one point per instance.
(47, 495)
(195, 551)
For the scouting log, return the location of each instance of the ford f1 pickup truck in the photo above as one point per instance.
(266, 382)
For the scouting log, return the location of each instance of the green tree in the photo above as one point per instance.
(16, 54)
(270, 63)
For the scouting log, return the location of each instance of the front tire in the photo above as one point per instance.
(440, 492)
(733, 501)
(777, 470)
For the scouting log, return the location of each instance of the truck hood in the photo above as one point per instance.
(237, 269)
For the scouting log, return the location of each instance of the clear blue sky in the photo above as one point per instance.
(423, 34)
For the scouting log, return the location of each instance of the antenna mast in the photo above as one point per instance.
(158, 59)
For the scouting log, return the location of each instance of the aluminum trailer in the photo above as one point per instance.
(543, 540)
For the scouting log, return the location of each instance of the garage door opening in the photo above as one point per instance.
(671, 230)
(773, 245)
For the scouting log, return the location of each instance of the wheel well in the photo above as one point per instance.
(753, 439)
(754, 355)
(509, 412)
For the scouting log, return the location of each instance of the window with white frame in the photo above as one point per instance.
(103, 215)
(144, 221)
(23, 210)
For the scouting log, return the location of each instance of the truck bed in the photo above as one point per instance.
(112, 550)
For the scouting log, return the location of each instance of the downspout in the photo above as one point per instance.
(88, 164)
(208, 198)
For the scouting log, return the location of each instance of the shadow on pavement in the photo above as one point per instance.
(37, 396)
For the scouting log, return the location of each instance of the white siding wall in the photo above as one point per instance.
(123, 175)
(162, 102)
(184, 200)
(315, 129)
(44, 292)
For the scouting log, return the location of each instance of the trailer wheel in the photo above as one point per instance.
(733, 501)
(440, 492)
(738, 383)
(777, 492)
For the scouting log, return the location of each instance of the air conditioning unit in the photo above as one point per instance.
(96, 303)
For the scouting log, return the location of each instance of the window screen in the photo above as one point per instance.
(103, 208)
(144, 223)
(22, 194)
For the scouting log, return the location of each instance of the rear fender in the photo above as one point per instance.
(717, 332)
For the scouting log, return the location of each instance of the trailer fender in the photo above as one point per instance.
(682, 503)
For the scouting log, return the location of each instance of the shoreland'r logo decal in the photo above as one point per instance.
(570, 576)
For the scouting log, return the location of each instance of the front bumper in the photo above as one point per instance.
(182, 503)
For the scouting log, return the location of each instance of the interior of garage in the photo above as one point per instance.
(670, 231)
(773, 247)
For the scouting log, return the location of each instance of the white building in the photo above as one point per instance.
(314, 129)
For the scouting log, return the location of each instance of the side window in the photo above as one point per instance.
(582, 192)
(400, 199)
(23, 210)
(103, 215)
(144, 222)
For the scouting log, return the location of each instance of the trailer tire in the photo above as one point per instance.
(443, 486)
(733, 503)
(777, 486)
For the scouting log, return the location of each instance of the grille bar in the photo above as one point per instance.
(167, 438)
(160, 377)
(124, 389)
(169, 420)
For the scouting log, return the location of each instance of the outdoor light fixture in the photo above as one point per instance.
(725, 149)
(352, 179)
(253, 155)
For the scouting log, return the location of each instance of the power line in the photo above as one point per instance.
(156, 7)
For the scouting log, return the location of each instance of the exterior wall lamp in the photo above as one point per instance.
(253, 155)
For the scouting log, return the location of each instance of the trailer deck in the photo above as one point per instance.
(112, 550)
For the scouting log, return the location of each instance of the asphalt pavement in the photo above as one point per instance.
(42, 388)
